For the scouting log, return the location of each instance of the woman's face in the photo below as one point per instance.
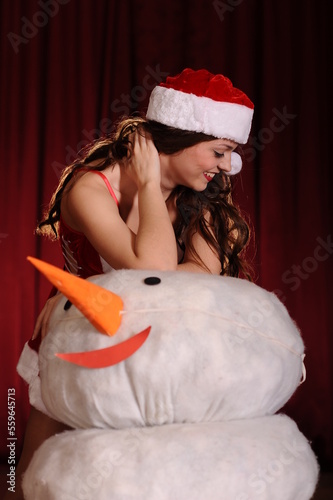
(196, 166)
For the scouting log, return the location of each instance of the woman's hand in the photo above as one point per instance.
(149, 241)
(43, 319)
(143, 166)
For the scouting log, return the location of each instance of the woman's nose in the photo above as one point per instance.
(225, 163)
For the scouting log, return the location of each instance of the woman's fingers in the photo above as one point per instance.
(143, 165)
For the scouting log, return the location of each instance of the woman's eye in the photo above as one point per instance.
(218, 155)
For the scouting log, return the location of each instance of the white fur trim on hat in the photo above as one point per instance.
(224, 120)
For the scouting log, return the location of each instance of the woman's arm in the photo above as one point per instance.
(39, 428)
(208, 261)
(95, 213)
(208, 256)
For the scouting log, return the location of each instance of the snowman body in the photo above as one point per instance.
(192, 413)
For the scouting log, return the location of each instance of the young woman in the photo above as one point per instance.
(154, 195)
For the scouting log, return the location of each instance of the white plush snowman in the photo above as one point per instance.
(172, 382)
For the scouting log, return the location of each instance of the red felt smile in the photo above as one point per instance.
(109, 356)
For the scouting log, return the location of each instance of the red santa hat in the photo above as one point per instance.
(199, 101)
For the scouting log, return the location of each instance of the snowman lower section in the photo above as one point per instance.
(263, 458)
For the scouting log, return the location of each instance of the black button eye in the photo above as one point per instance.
(67, 305)
(152, 280)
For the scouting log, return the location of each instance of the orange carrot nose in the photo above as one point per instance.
(100, 306)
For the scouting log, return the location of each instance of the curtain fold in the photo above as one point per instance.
(70, 69)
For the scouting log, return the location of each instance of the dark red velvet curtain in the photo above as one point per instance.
(71, 67)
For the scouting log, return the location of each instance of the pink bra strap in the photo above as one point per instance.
(108, 185)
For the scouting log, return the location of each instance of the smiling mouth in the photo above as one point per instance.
(109, 356)
(209, 176)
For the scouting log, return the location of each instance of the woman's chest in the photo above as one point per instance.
(129, 212)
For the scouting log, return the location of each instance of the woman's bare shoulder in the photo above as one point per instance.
(84, 195)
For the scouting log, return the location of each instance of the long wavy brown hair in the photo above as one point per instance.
(227, 232)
